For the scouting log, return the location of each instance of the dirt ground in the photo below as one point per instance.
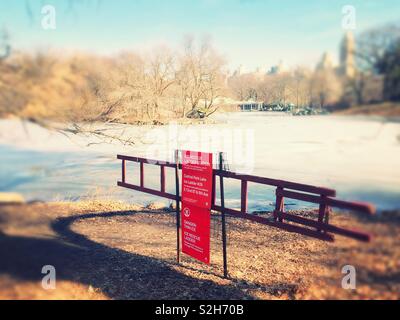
(104, 250)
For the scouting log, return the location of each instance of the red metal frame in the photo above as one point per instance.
(324, 197)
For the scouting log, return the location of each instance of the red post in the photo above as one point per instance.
(327, 216)
(244, 196)
(141, 174)
(280, 204)
(323, 211)
(123, 171)
(162, 178)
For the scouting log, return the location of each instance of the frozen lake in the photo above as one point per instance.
(359, 157)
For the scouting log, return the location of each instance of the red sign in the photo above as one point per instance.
(197, 178)
(197, 174)
(196, 232)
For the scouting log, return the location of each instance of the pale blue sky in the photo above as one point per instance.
(249, 32)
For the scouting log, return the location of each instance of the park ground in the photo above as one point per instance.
(109, 250)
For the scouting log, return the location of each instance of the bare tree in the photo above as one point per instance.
(160, 77)
(81, 93)
(200, 77)
(247, 86)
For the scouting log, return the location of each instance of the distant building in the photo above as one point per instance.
(347, 65)
(347, 56)
(238, 72)
(259, 73)
(278, 69)
(251, 105)
(326, 62)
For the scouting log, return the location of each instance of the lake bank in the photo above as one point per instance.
(387, 110)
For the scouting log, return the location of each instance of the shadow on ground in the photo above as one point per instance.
(117, 273)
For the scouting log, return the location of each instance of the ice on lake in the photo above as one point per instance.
(358, 156)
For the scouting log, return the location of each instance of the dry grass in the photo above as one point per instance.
(106, 250)
(386, 109)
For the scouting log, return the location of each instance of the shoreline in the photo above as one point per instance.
(385, 110)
